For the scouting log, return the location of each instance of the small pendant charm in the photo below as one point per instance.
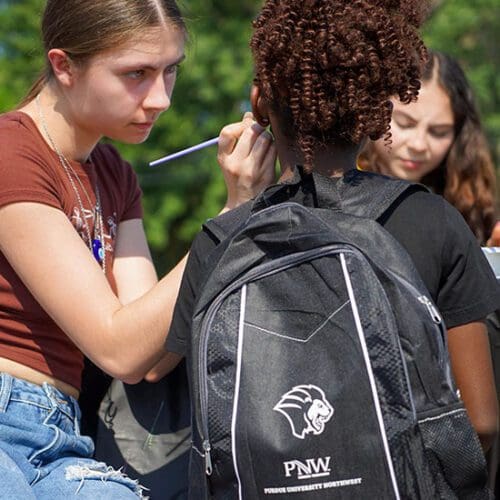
(97, 250)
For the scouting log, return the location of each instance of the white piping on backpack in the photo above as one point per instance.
(442, 415)
(303, 341)
(376, 401)
(241, 330)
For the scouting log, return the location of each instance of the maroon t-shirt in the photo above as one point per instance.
(31, 171)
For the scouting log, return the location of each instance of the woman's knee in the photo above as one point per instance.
(89, 479)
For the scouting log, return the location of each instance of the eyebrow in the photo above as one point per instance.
(179, 60)
(154, 68)
(405, 115)
(409, 117)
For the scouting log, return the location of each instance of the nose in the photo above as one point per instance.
(418, 141)
(158, 97)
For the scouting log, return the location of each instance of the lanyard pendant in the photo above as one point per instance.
(97, 250)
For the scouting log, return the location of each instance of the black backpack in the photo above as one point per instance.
(319, 364)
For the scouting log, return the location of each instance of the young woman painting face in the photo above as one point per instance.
(422, 133)
(121, 92)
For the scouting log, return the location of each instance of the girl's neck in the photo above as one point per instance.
(53, 116)
(330, 161)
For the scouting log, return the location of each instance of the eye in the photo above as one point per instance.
(403, 120)
(442, 133)
(171, 70)
(136, 74)
(404, 124)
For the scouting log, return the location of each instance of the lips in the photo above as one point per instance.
(144, 125)
(411, 164)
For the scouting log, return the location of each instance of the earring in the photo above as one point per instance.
(264, 121)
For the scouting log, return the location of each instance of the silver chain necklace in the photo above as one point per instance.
(96, 244)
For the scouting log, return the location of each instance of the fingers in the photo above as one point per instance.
(247, 157)
(230, 134)
(269, 164)
(241, 136)
(262, 145)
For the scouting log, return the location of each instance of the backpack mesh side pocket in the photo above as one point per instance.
(446, 435)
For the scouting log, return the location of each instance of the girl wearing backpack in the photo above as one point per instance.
(76, 275)
(325, 74)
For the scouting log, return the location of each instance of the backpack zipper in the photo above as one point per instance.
(433, 312)
(424, 300)
(437, 320)
(208, 457)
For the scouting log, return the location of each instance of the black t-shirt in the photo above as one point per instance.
(443, 248)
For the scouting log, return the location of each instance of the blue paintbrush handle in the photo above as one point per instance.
(192, 149)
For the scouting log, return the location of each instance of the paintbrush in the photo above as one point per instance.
(184, 152)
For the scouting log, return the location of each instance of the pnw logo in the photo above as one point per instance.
(306, 409)
(311, 468)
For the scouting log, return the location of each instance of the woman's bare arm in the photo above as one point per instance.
(473, 371)
(125, 334)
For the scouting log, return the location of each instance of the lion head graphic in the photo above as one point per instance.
(306, 409)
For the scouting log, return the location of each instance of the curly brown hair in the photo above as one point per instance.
(328, 68)
(466, 176)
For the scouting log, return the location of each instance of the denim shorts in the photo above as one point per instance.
(42, 454)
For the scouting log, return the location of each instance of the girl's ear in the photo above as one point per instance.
(259, 106)
(62, 66)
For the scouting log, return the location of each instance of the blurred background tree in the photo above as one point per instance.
(212, 90)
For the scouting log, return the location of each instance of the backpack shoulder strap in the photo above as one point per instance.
(366, 194)
(222, 226)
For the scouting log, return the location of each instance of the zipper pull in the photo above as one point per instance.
(436, 317)
(208, 459)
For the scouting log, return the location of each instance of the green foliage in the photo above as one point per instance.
(21, 57)
(212, 90)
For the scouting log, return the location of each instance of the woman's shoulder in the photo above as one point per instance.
(27, 166)
(427, 224)
(421, 209)
(432, 214)
(18, 134)
(15, 120)
(24, 151)
(419, 222)
(447, 256)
